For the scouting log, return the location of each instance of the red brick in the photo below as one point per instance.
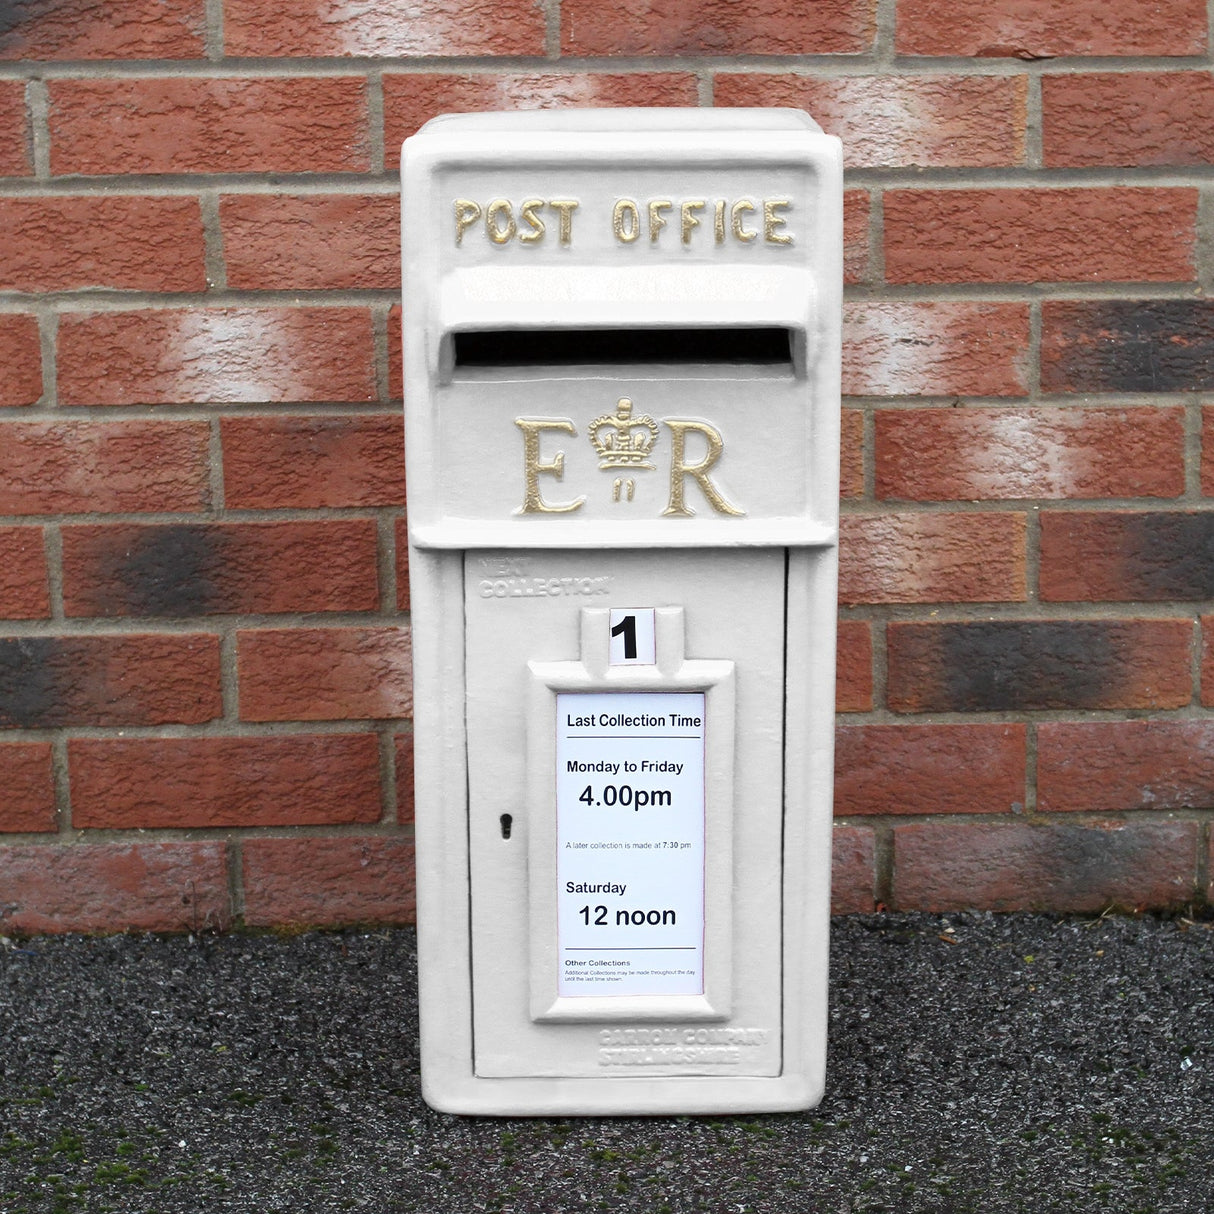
(103, 467)
(24, 588)
(310, 462)
(84, 29)
(942, 866)
(402, 564)
(192, 569)
(1207, 451)
(404, 778)
(929, 769)
(1127, 345)
(325, 674)
(15, 139)
(1122, 555)
(413, 99)
(932, 558)
(107, 887)
(1028, 29)
(1207, 660)
(1127, 118)
(389, 29)
(131, 679)
(191, 124)
(854, 667)
(20, 359)
(1026, 665)
(311, 242)
(328, 882)
(676, 27)
(853, 870)
(27, 794)
(851, 470)
(1035, 235)
(172, 355)
(904, 348)
(988, 454)
(123, 242)
(900, 121)
(855, 236)
(288, 780)
(1116, 765)
(396, 361)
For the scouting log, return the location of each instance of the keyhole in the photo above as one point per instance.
(507, 822)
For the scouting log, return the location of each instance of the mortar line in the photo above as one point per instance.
(214, 30)
(376, 134)
(37, 103)
(212, 234)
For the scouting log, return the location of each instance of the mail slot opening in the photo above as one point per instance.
(488, 348)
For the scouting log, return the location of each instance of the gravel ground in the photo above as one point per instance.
(984, 1063)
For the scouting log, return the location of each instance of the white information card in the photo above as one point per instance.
(630, 843)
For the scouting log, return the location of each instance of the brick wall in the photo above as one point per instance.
(204, 654)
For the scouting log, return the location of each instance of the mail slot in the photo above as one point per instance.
(621, 336)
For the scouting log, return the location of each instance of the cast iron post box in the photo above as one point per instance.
(621, 336)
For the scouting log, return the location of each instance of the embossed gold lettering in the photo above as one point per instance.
(680, 469)
(496, 233)
(718, 223)
(564, 207)
(656, 222)
(772, 221)
(535, 225)
(687, 215)
(533, 502)
(466, 214)
(626, 221)
(735, 218)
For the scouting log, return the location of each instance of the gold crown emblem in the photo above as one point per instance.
(623, 441)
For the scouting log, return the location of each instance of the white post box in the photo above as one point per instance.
(621, 336)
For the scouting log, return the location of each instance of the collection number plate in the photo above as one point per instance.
(630, 843)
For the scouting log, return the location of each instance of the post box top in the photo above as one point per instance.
(624, 118)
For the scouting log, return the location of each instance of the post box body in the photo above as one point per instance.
(621, 335)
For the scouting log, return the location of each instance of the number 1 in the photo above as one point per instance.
(627, 626)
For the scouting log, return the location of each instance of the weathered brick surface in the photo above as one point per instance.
(1024, 665)
(852, 870)
(311, 242)
(325, 674)
(126, 243)
(1122, 345)
(27, 792)
(291, 780)
(16, 159)
(1127, 118)
(855, 235)
(192, 569)
(854, 667)
(1207, 451)
(404, 778)
(929, 769)
(1040, 235)
(1027, 29)
(20, 360)
(129, 679)
(308, 462)
(74, 466)
(1004, 867)
(410, 100)
(900, 121)
(1207, 660)
(24, 586)
(100, 887)
(992, 454)
(344, 880)
(675, 27)
(905, 348)
(225, 355)
(851, 460)
(1120, 765)
(389, 29)
(84, 29)
(192, 124)
(401, 529)
(1127, 555)
(932, 558)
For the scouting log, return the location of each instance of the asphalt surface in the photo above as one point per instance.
(984, 1063)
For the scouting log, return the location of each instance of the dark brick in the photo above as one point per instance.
(1122, 556)
(1025, 665)
(1125, 345)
